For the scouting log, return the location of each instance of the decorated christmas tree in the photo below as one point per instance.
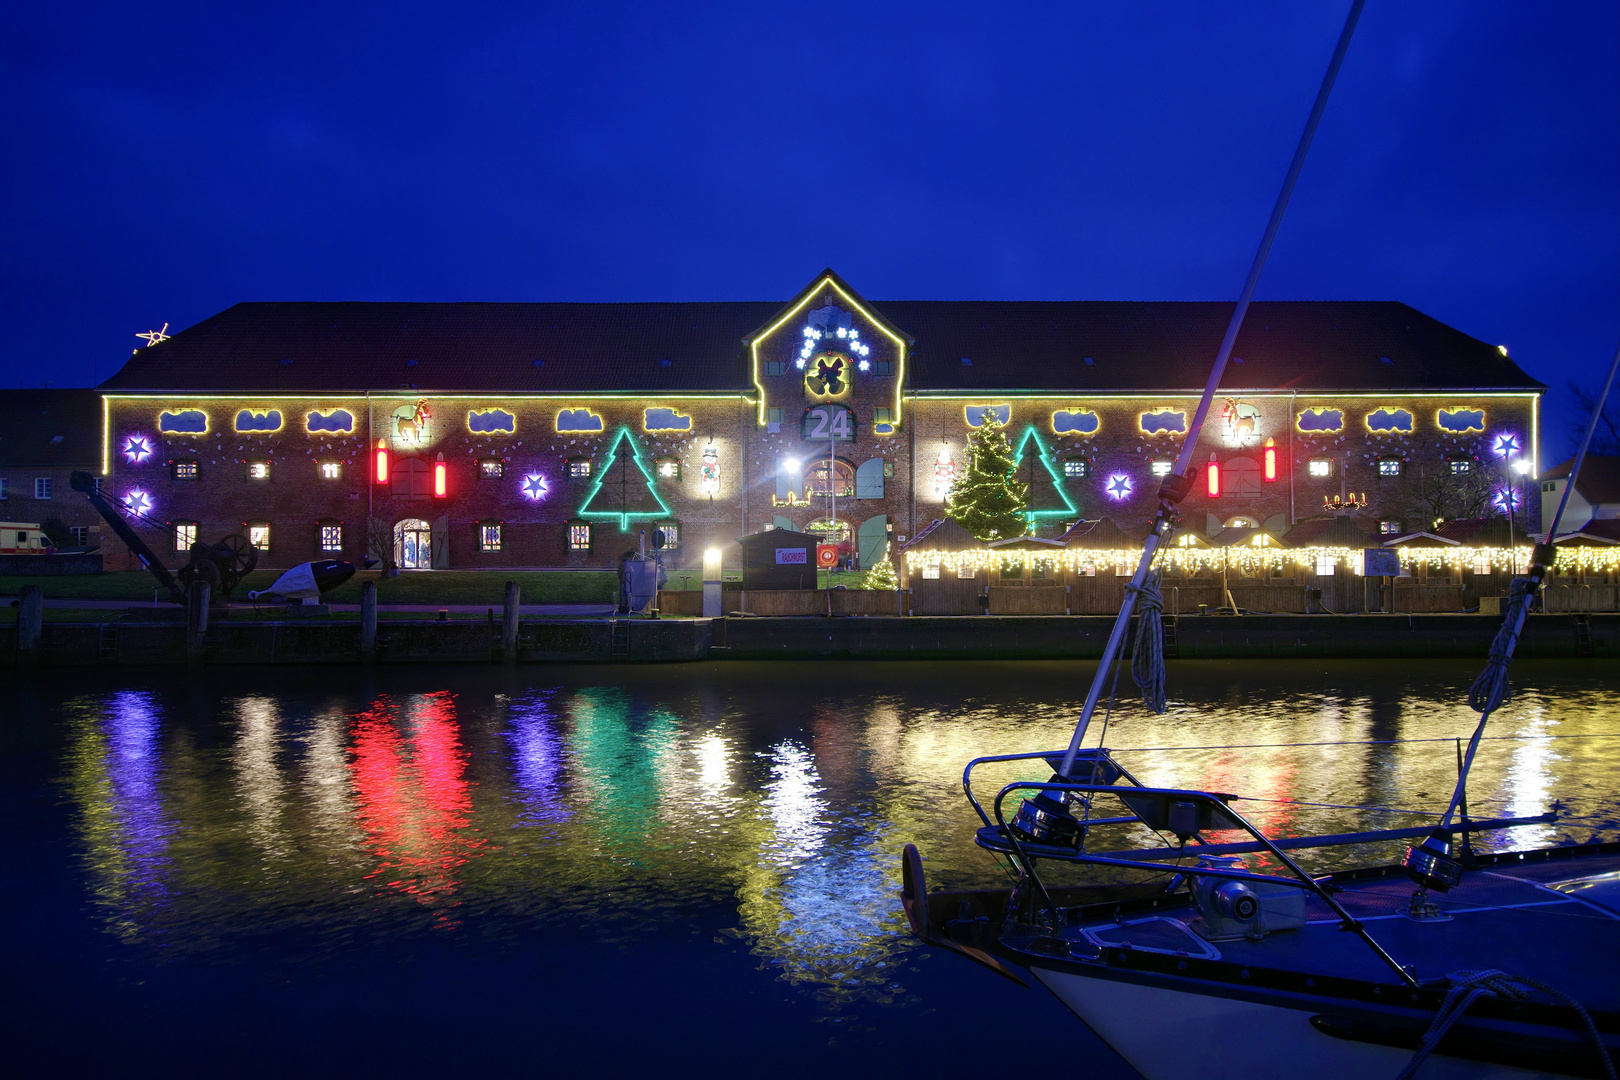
(986, 500)
(624, 488)
(881, 575)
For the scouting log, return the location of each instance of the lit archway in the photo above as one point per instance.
(413, 544)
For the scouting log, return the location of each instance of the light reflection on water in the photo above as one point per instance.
(459, 802)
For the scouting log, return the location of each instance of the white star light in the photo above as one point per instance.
(154, 336)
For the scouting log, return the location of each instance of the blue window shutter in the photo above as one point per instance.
(869, 479)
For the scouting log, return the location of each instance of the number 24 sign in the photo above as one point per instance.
(829, 423)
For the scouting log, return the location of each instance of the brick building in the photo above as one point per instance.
(506, 435)
(46, 435)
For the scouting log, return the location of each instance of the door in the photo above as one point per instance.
(413, 544)
(874, 540)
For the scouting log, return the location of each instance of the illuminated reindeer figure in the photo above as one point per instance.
(1240, 417)
(414, 424)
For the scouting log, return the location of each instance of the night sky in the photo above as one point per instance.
(163, 166)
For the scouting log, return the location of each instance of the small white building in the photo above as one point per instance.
(1594, 505)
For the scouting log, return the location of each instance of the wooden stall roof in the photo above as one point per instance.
(1026, 543)
(1099, 535)
(1419, 539)
(943, 534)
(1345, 532)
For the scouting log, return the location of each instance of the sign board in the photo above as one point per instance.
(826, 555)
(828, 423)
(792, 556)
(1380, 562)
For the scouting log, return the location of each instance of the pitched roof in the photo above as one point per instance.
(665, 347)
(1345, 532)
(1599, 481)
(1599, 532)
(943, 534)
(1099, 535)
(1480, 532)
(50, 427)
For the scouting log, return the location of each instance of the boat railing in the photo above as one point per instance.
(1099, 761)
(1186, 813)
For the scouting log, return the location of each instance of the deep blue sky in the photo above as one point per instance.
(161, 167)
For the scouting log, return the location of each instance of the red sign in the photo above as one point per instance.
(826, 556)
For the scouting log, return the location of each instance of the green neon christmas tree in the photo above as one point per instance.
(624, 488)
(986, 500)
(1047, 498)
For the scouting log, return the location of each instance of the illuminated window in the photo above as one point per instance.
(776, 367)
(1321, 468)
(931, 573)
(669, 468)
(184, 469)
(836, 477)
(1162, 468)
(491, 469)
(185, 534)
(331, 470)
(1389, 528)
(883, 367)
(671, 532)
(489, 536)
(331, 536)
(258, 470)
(579, 468)
(258, 534)
(1389, 466)
(42, 488)
(1325, 565)
(579, 536)
(1077, 467)
(966, 572)
(1460, 466)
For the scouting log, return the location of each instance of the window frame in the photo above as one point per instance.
(675, 468)
(775, 368)
(1161, 467)
(1389, 527)
(663, 527)
(1328, 466)
(883, 368)
(43, 488)
(250, 527)
(320, 535)
(1390, 468)
(1460, 466)
(261, 463)
(187, 527)
(329, 470)
(485, 547)
(5, 488)
(577, 468)
(579, 528)
(491, 469)
(177, 467)
(1076, 469)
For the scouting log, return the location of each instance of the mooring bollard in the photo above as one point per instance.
(509, 624)
(196, 621)
(30, 619)
(368, 621)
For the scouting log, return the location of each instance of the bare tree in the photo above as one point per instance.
(1434, 492)
(1606, 439)
(380, 541)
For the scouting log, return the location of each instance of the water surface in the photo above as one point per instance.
(634, 868)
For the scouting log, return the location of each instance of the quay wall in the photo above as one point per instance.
(998, 637)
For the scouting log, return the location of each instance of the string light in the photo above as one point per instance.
(1264, 556)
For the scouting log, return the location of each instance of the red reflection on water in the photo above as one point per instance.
(1267, 773)
(412, 796)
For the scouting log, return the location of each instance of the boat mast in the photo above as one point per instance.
(1175, 486)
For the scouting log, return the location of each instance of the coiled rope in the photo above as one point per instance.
(1147, 655)
(1468, 987)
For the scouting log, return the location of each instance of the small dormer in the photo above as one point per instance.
(829, 350)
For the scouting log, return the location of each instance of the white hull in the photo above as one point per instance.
(1171, 1035)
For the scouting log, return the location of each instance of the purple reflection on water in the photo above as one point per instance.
(537, 755)
(132, 770)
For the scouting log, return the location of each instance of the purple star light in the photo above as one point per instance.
(1119, 486)
(138, 502)
(1506, 445)
(535, 487)
(137, 448)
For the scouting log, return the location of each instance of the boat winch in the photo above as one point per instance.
(1048, 820)
(1230, 909)
(1431, 865)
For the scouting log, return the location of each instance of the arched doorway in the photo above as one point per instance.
(413, 544)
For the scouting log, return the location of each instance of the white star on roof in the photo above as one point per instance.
(154, 336)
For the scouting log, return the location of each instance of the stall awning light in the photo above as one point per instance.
(1214, 475)
(438, 478)
(382, 462)
(1271, 461)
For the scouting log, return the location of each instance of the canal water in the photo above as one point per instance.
(628, 869)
